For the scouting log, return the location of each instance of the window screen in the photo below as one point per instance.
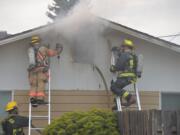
(170, 101)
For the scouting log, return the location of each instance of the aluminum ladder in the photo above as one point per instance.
(48, 116)
(118, 100)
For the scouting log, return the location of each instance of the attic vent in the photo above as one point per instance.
(3, 34)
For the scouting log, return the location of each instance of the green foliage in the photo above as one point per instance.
(95, 122)
(60, 8)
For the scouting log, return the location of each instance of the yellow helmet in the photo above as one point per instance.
(128, 43)
(35, 39)
(11, 105)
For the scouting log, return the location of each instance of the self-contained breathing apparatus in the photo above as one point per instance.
(138, 61)
(34, 53)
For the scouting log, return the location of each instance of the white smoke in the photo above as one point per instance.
(83, 31)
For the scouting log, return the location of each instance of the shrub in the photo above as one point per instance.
(95, 122)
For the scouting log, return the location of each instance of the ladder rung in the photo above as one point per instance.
(39, 116)
(41, 104)
(134, 107)
(37, 128)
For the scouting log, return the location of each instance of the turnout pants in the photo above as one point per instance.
(117, 87)
(38, 80)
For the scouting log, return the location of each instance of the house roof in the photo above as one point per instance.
(145, 36)
(112, 25)
(24, 34)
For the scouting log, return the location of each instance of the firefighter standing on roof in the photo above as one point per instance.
(13, 124)
(38, 68)
(125, 67)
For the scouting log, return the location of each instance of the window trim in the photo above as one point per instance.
(160, 100)
(11, 92)
(12, 95)
(166, 92)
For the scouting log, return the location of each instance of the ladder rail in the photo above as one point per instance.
(137, 97)
(114, 78)
(30, 118)
(118, 102)
(49, 97)
(49, 90)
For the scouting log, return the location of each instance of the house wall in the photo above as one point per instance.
(64, 101)
(161, 68)
(160, 65)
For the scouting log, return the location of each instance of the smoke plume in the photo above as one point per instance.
(83, 31)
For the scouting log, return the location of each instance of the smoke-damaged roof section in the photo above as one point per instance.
(3, 35)
(21, 33)
(112, 25)
(24, 34)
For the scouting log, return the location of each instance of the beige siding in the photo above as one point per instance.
(76, 100)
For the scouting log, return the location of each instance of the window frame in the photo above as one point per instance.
(166, 92)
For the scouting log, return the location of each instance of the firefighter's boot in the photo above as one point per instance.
(131, 99)
(41, 98)
(33, 98)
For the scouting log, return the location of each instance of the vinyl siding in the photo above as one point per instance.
(79, 100)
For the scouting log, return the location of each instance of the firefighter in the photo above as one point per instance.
(125, 68)
(38, 68)
(13, 124)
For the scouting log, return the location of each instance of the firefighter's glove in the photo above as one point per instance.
(31, 67)
(138, 74)
(112, 69)
(45, 69)
(114, 49)
(59, 48)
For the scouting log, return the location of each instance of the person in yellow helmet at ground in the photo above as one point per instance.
(13, 124)
(38, 68)
(125, 68)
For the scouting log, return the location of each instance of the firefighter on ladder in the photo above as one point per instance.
(125, 67)
(14, 123)
(38, 68)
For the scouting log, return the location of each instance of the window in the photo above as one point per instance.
(5, 97)
(170, 101)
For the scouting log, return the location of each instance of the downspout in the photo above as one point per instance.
(105, 84)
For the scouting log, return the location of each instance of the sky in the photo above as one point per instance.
(155, 17)
(20, 15)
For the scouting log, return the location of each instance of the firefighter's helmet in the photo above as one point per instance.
(11, 105)
(128, 43)
(35, 39)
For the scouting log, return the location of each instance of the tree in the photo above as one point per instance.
(60, 8)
